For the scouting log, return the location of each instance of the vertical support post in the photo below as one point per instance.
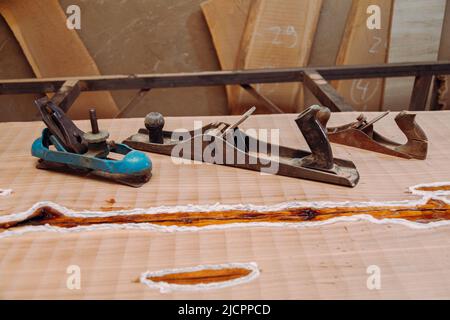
(258, 96)
(324, 92)
(420, 93)
(133, 102)
(438, 94)
(67, 94)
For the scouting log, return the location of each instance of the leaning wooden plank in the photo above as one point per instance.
(440, 98)
(227, 18)
(414, 38)
(324, 92)
(365, 41)
(444, 54)
(14, 66)
(278, 34)
(226, 22)
(53, 50)
(327, 40)
(420, 93)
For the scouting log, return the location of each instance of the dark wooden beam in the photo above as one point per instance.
(420, 93)
(324, 92)
(67, 94)
(264, 100)
(440, 85)
(133, 102)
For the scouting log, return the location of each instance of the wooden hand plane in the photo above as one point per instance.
(225, 144)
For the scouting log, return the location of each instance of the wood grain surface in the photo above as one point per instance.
(315, 263)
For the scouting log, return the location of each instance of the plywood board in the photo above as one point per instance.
(53, 50)
(444, 49)
(13, 66)
(415, 37)
(362, 45)
(278, 34)
(314, 263)
(226, 22)
(327, 40)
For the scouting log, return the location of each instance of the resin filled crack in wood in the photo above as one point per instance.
(432, 211)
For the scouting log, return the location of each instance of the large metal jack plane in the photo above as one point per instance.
(317, 164)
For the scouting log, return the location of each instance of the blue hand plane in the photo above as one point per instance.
(64, 147)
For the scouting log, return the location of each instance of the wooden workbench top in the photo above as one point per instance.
(323, 262)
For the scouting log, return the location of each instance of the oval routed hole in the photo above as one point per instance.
(201, 277)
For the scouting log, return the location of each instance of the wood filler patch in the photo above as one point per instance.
(5, 192)
(432, 210)
(203, 277)
(432, 189)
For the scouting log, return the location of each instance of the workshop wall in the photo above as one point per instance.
(164, 36)
(415, 38)
(13, 65)
(126, 37)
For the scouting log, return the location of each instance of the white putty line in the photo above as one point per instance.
(219, 207)
(165, 287)
(170, 229)
(211, 208)
(5, 192)
(414, 189)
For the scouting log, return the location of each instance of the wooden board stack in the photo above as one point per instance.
(276, 34)
(364, 43)
(414, 38)
(264, 34)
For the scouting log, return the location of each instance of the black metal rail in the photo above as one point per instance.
(67, 89)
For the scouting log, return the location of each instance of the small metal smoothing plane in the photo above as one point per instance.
(64, 147)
